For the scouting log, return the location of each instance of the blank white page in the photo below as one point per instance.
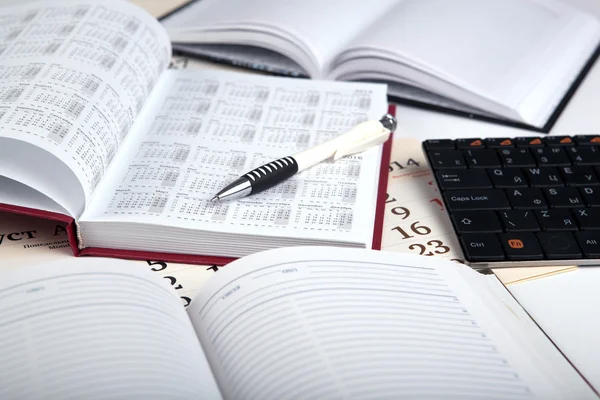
(330, 324)
(97, 329)
(498, 49)
(319, 29)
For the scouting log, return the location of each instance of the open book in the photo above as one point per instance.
(514, 60)
(311, 323)
(94, 129)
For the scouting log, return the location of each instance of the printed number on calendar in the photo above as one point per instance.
(420, 230)
(395, 165)
(432, 248)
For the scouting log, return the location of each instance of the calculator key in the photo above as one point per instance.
(516, 158)
(476, 221)
(476, 199)
(526, 198)
(507, 178)
(498, 143)
(559, 245)
(482, 158)
(444, 159)
(584, 155)
(543, 176)
(482, 247)
(463, 179)
(559, 141)
(521, 246)
(528, 142)
(550, 156)
(589, 242)
(469, 143)
(588, 218)
(587, 140)
(439, 144)
(519, 221)
(591, 195)
(559, 219)
(578, 176)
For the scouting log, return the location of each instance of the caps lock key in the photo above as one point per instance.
(476, 199)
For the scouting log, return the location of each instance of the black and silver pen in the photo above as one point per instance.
(359, 138)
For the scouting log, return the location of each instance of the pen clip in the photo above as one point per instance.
(363, 145)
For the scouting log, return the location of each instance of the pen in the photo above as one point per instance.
(359, 138)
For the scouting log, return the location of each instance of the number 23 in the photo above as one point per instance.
(439, 248)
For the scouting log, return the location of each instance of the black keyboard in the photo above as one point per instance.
(532, 200)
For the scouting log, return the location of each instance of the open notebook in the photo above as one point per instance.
(513, 60)
(97, 133)
(313, 323)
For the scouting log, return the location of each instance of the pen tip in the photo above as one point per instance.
(389, 122)
(214, 199)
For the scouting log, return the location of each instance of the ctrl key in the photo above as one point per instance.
(482, 247)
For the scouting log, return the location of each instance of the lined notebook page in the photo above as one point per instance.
(97, 329)
(358, 324)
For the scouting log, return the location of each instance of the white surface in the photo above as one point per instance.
(566, 307)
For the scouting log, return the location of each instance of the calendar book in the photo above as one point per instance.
(97, 132)
(516, 62)
(291, 323)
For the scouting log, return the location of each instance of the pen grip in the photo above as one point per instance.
(270, 174)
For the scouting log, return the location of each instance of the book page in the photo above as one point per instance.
(330, 323)
(13, 193)
(73, 77)
(97, 329)
(310, 32)
(521, 55)
(204, 130)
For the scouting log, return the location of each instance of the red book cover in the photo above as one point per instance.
(71, 226)
(383, 182)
